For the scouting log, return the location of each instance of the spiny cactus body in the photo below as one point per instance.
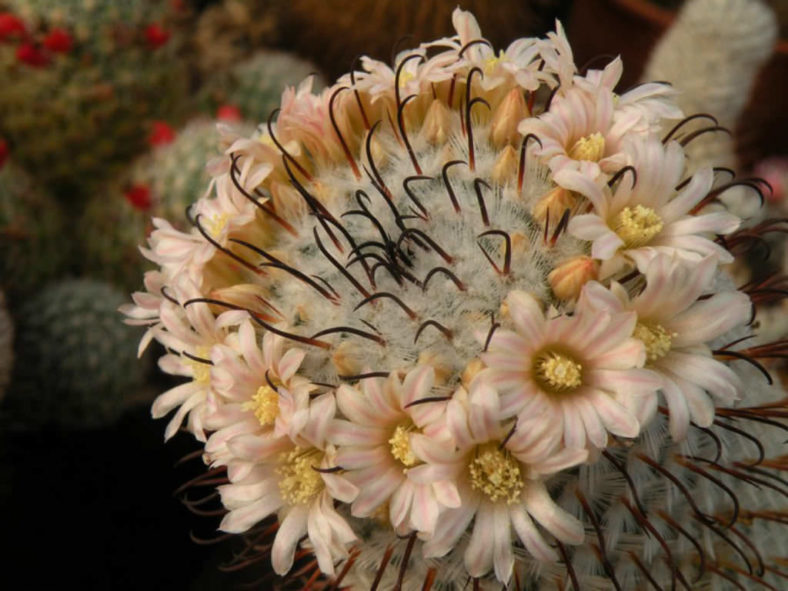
(34, 244)
(82, 83)
(463, 323)
(255, 85)
(76, 365)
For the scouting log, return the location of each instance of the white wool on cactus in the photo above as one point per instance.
(463, 318)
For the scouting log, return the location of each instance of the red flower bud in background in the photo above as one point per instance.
(11, 26)
(3, 153)
(229, 113)
(30, 54)
(139, 197)
(59, 41)
(156, 35)
(161, 134)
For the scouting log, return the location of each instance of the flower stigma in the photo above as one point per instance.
(637, 226)
(300, 482)
(589, 147)
(656, 339)
(558, 373)
(494, 472)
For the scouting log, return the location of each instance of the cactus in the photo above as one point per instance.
(34, 244)
(161, 183)
(463, 322)
(82, 82)
(76, 364)
(255, 85)
(712, 54)
(6, 345)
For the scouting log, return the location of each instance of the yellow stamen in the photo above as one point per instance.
(216, 224)
(300, 483)
(637, 226)
(495, 473)
(400, 445)
(201, 370)
(405, 77)
(558, 373)
(656, 339)
(589, 147)
(264, 404)
(492, 61)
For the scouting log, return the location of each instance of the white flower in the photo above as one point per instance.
(500, 480)
(300, 488)
(676, 327)
(580, 371)
(636, 220)
(374, 447)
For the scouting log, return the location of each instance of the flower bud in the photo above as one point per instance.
(568, 278)
(556, 201)
(507, 117)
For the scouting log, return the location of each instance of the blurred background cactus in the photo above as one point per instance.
(255, 85)
(80, 78)
(6, 345)
(161, 183)
(34, 243)
(76, 364)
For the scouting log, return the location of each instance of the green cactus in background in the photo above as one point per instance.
(80, 79)
(34, 245)
(162, 183)
(76, 361)
(6, 346)
(255, 85)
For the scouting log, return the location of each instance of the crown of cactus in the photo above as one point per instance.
(81, 79)
(76, 364)
(465, 319)
(6, 345)
(162, 183)
(255, 85)
(33, 244)
(712, 53)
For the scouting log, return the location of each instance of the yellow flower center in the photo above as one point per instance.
(405, 77)
(300, 482)
(558, 373)
(589, 147)
(264, 404)
(494, 472)
(656, 339)
(201, 370)
(491, 62)
(216, 224)
(637, 226)
(400, 445)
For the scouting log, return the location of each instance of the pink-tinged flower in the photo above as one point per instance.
(374, 447)
(581, 371)
(499, 470)
(299, 486)
(557, 55)
(256, 394)
(188, 329)
(644, 215)
(675, 328)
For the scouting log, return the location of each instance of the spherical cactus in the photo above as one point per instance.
(231, 30)
(6, 345)
(34, 244)
(77, 364)
(712, 54)
(255, 85)
(81, 83)
(162, 183)
(463, 322)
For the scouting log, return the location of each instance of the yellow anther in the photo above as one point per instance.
(405, 77)
(589, 147)
(637, 226)
(400, 445)
(558, 373)
(217, 223)
(200, 365)
(300, 482)
(264, 404)
(656, 339)
(494, 472)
